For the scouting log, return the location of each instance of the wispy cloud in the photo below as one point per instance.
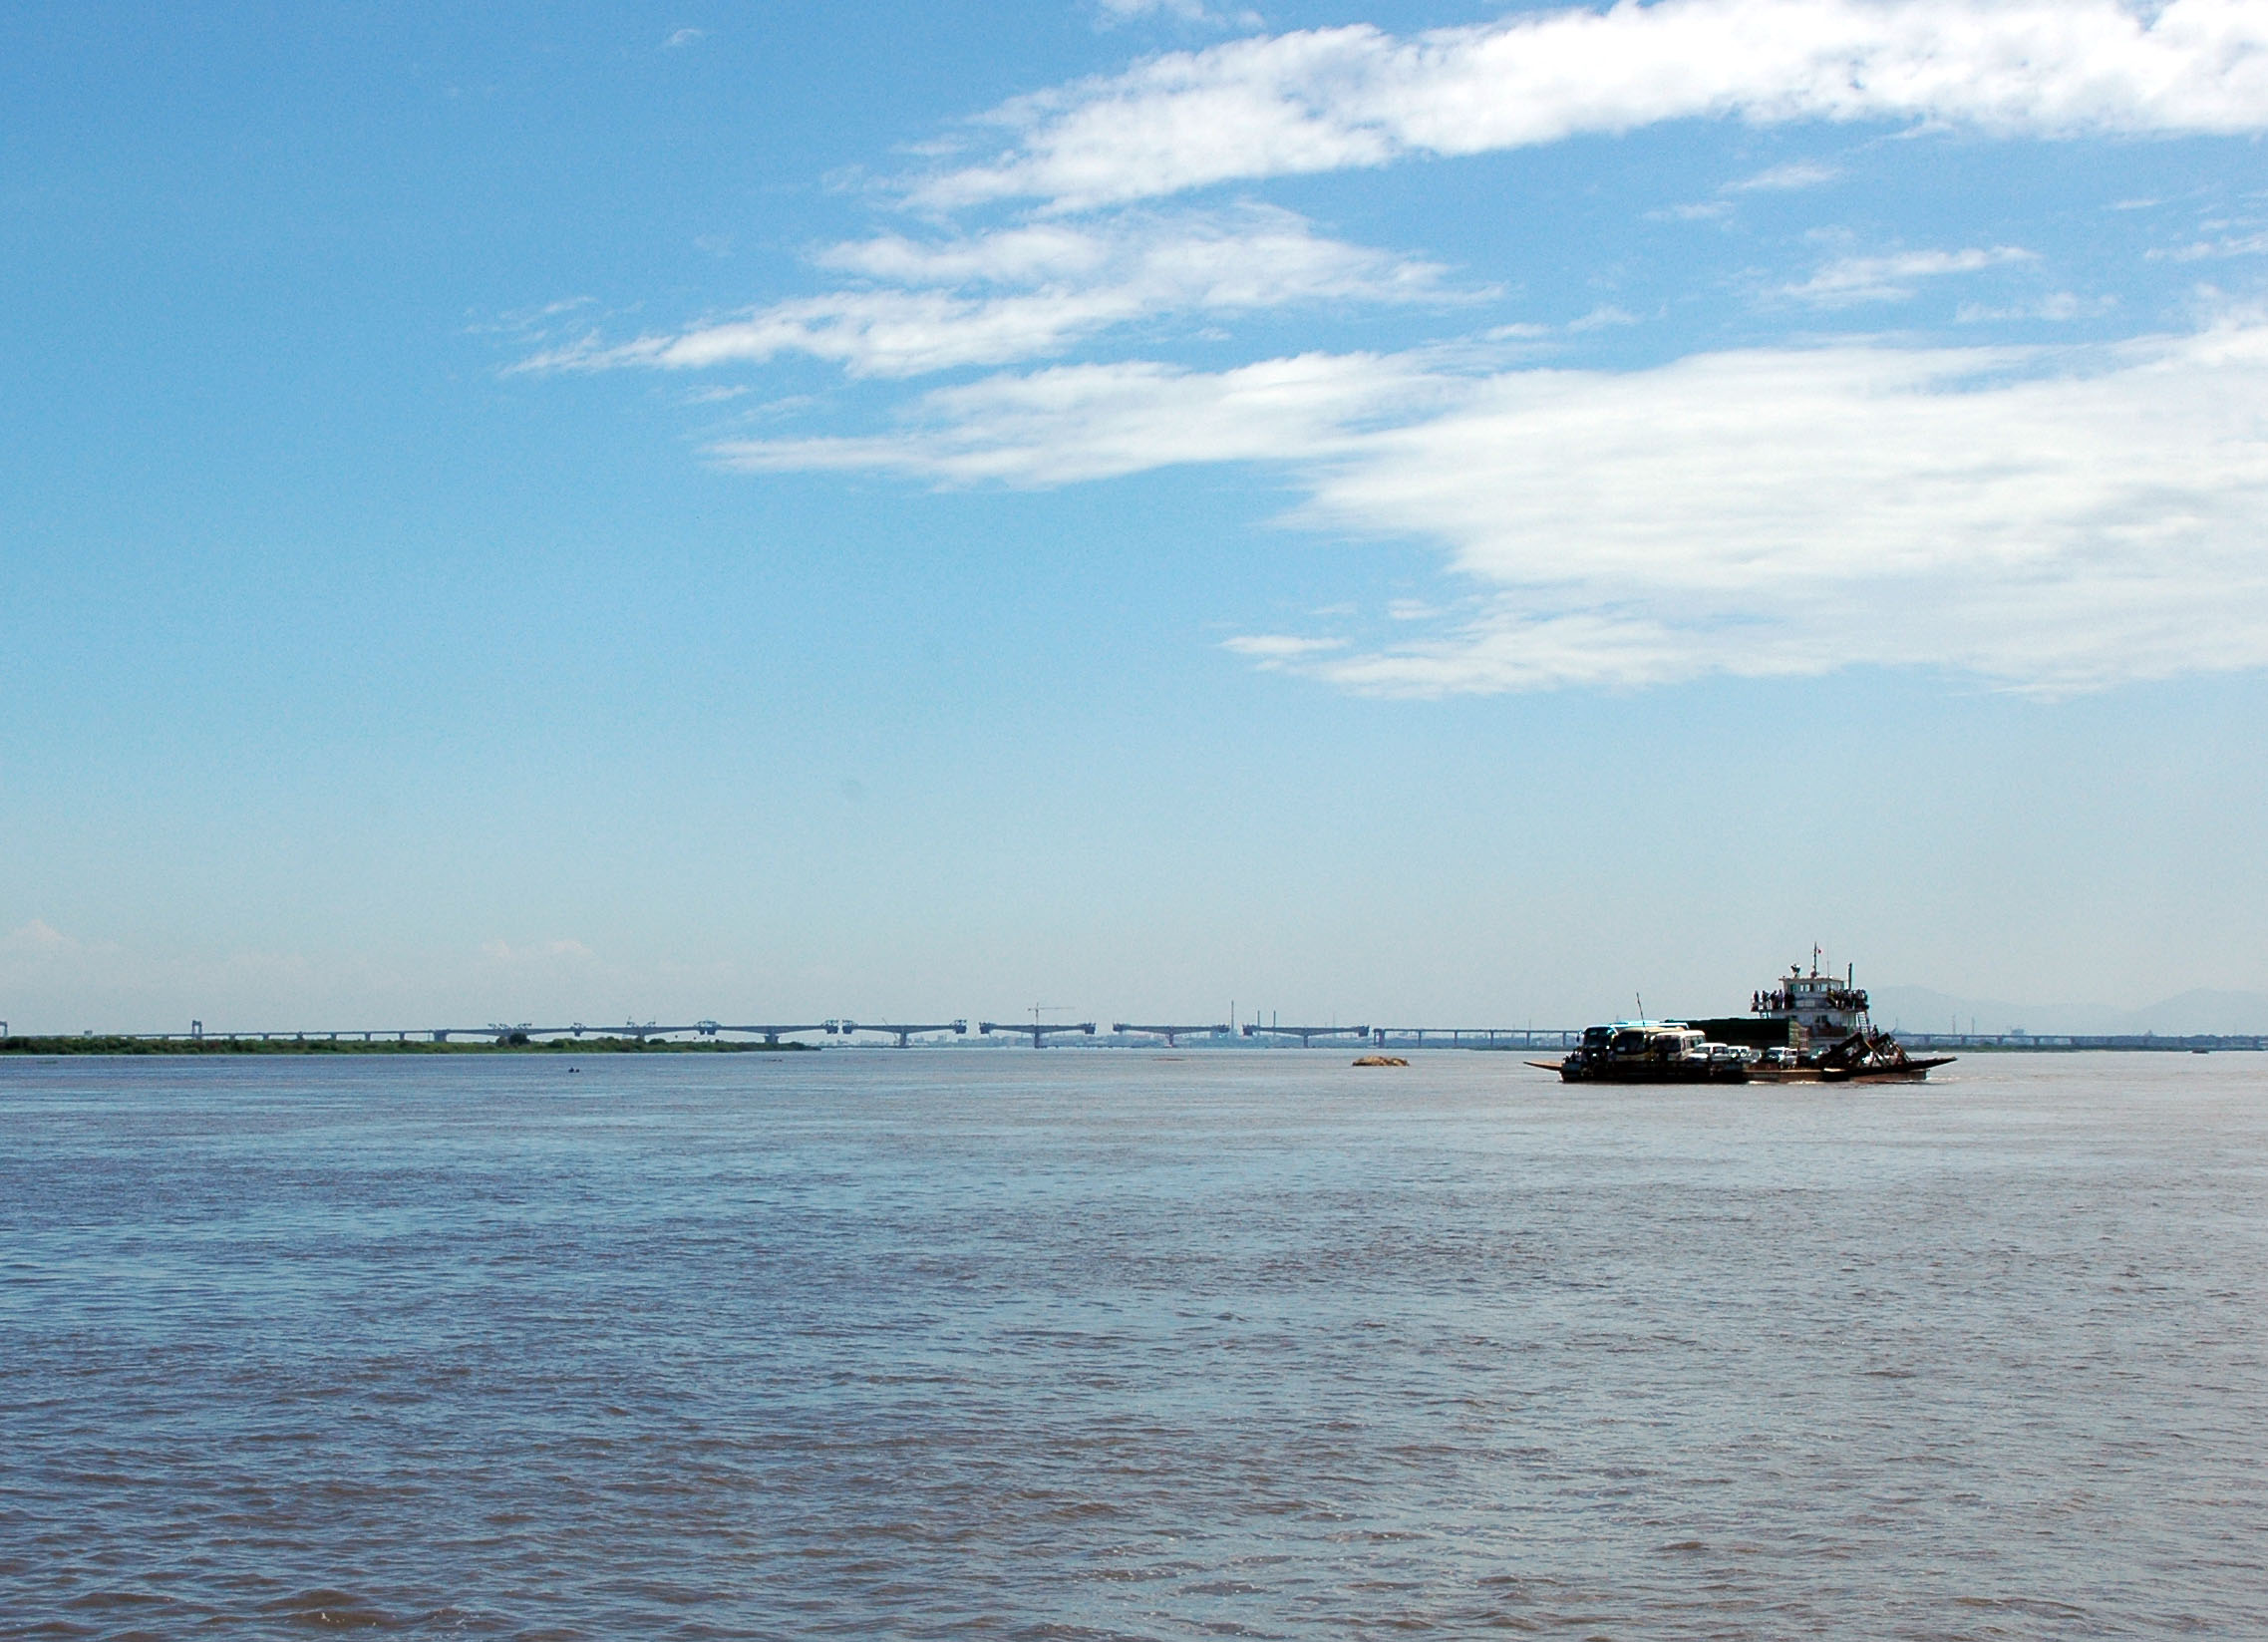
(1272, 651)
(2203, 250)
(2052, 520)
(1028, 292)
(1183, 11)
(1331, 99)
(1796, 173)
(1892, 278)
(2057, 307)
(35, 941)
(679, 39)
(535, 324)
(538, 952)
(1085, 421)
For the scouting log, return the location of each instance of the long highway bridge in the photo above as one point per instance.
(1123, 1034)
(1039, 1034)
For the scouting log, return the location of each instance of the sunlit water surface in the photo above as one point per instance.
(1085, 1343)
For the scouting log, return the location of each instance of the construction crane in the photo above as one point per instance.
(1172, 1033)
(904, 1033)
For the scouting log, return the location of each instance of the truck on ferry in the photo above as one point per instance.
(1649, 1052)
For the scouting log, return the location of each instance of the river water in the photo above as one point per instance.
(1085, 1343)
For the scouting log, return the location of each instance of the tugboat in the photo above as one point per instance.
(1813, 1028)
(1649, 1052)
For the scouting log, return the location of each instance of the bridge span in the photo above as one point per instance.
(1305, 1033)
(1173, 1034)
(903, 1033)
(1035, 1032)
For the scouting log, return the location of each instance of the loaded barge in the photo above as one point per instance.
(1807, 1027)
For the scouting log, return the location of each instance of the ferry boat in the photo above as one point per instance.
(1649, 1052)
(1812, 1026)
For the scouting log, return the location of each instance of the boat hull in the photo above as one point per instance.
(1902, 1072)
(1644, 1074)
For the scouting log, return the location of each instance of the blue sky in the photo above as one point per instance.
(1395, 512)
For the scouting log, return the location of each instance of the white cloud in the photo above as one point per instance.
(1856, 279)
(504, 952)
(2059, 307)
(1273, 650)
(1788, 512)
(1187, 11)
(1796, 173)
(1028, 292)
(35, 941)
(1331, 99)
(2230, 246)
(2052, 520)
(681, 38)
(1086, 422)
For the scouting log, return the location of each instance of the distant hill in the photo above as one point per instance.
(2202, 1010)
